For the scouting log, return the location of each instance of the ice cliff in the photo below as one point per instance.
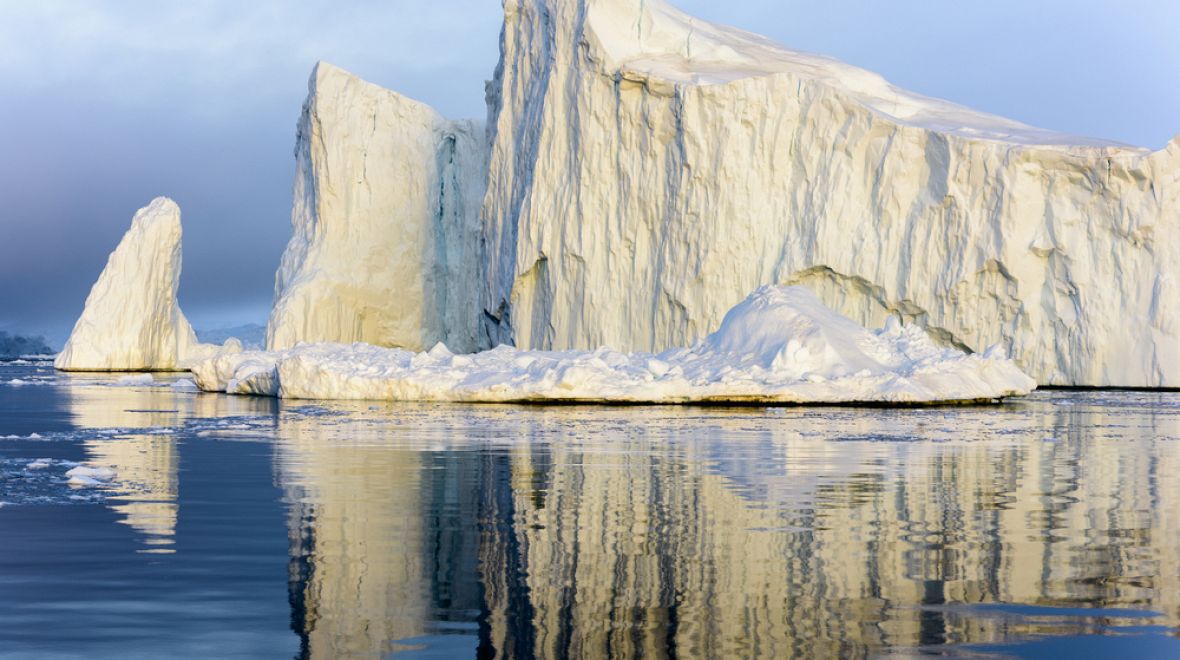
(386, 222)
(647, 169)
(642, 170)
(780, 345)
(131, 321)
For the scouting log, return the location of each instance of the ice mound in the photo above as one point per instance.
(131, 321)
(780, 345)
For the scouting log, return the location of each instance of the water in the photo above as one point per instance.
(243, 527)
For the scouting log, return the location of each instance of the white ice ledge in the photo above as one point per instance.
(780, 345)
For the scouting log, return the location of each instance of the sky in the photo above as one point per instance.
(109, 103)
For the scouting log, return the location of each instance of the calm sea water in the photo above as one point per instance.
(244, 527)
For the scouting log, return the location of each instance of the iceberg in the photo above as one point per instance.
(131, 321)
(781, 345)
(385, 247)
(647, 169)
(639, 173)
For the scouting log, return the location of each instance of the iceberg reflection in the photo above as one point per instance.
(622, 532)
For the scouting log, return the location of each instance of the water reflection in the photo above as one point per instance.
(622, 532)
(144, 490)
(592, 532)
(373, 558)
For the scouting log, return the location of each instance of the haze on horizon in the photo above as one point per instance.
(110, 104)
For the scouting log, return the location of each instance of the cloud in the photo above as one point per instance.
(135, 50)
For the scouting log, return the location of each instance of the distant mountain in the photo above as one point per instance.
(17, 345)
(252, 335)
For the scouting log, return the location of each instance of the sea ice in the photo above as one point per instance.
(781, 345)
(85, 477)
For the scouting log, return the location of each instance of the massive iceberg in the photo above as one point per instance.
(385, 247)
(642, 170)
(780, 345)
(131, 321)
(648, 169)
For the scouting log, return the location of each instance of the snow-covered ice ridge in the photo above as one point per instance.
(781, 345)
(131, 320)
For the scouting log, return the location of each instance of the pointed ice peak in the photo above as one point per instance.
(131, 321)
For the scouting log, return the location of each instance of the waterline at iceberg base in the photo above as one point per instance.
(780, 345)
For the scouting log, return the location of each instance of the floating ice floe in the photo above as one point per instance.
(86, 477)
(135, 380)
(780, 345)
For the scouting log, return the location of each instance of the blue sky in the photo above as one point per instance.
(110, 103)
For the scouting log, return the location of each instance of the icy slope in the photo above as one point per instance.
(647, 169)
(386, 222)
(780, 345)
(131, 321)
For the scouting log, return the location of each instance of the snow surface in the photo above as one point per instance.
(780, 345)
(131, 321)
(651, 40)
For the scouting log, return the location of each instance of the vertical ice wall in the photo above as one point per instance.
(648, 170)
(385, 220)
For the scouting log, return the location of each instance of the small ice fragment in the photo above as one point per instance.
(87, 476)
(136, 379)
